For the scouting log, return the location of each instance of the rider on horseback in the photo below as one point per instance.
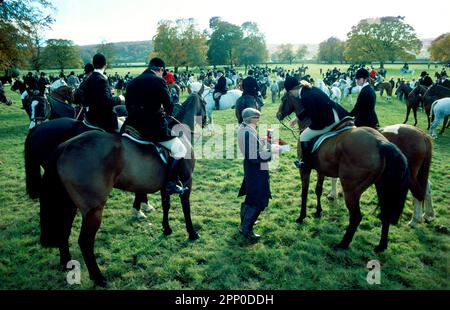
(144, 97)
(220, 88)
(323, 112)
(364, 110)
(250, 87)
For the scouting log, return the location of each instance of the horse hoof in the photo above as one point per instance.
(380, 248)
(318, 215)
(194, 236)
(167, 231)
(101, 282)
(299, 220)
(339, 246)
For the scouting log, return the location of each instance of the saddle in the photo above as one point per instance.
(132, 134)
(344, 124)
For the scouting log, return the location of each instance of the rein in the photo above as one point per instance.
(290, 129)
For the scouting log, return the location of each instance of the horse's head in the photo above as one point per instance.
(18, 85)
(192, 107)
(64, 93)
(287, 106)
(3, 97)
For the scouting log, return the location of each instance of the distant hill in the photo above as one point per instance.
(124, 52)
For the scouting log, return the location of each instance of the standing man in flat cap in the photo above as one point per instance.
(148, 103)
(364, 110)
(98, 98)
(255, 186)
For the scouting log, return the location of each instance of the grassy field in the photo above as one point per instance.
(136, 255)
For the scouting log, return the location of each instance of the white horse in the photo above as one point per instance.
(345, 87)
(333, 92)
(440, 110)
(227, 101)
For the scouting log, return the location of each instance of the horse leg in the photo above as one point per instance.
(352, 203)
(428, 205)
(417, 216)
(415, 116)
(141, 201)
(408, 110)
(444, 125)
(319, 190)
(332, 195)
(89, 227)
(304, 174)
(185, 202)
(384, 237)
(165, 200)
(64, 253)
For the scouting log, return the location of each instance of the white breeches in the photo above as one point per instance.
(308, 134)
(176, 148)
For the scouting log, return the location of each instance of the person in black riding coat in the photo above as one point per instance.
(250, 87)
(425, 79)
(148, 103)
(220, 88)
(364, 110)
(98, 97)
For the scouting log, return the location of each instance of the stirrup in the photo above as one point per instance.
(300, 164)
(173, 188)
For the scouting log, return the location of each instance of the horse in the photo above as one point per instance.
(245, 101)
(403, 90)
(414, 99)
(3, 98)
(347, 89)
(374, 161)
(433, 93)
(227, 101)
(417, 146)
(74, 179)
(280, 87)
(440, 110)
(331, 91)
(385, 86)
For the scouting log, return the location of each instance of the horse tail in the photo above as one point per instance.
(393, 184)
(54, 205)
(422, 175)
(32, 169)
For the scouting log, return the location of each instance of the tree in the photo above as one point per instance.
(286, 53)
(331, 50)
(180, 43)
(19, 20)
(107, 49)
(382, 39)
(61, 54)
(224, 43)
(440, 48)
(301, 52)
(252, 49)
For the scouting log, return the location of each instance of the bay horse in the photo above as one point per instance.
(413, 101)
(417, 146)
(75, 179)
(360, 157)
(382, 86)
(244, 102)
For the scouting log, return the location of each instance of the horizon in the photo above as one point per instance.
(75, 23)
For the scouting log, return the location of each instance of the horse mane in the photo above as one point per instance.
(182, 108)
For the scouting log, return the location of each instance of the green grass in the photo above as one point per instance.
(136, 255)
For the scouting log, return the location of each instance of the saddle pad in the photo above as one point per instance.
(328, 135)
(162, 154)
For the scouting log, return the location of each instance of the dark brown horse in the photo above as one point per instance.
(417, 146)
(413, 101)
(359, 157)
(76, 178)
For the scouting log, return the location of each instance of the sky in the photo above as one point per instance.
(282, 21)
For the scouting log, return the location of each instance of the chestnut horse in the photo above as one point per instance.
(360, 157)
(76, 178)
(417, 146)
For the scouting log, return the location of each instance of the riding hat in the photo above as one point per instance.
(249, 113)
(424, 73)
(290, 83)
(362, 73)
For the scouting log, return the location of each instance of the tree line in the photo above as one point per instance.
(182, 44)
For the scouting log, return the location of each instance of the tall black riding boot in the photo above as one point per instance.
(172, 186)
(306, 156)
(249, 219)
(217, 102)
(243, 211)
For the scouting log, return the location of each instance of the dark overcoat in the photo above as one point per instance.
(256, 182)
